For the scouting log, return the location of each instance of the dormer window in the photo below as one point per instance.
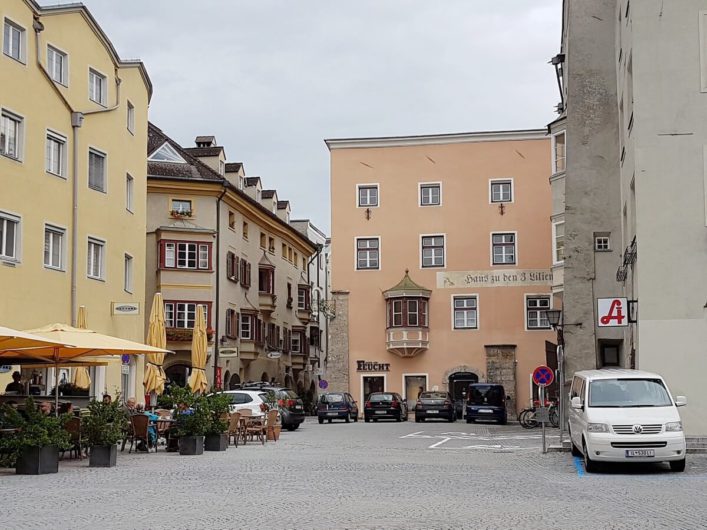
(166, 153)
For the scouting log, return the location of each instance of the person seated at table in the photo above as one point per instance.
(45, 407)
(107, 399)
(130, 406)
(16, 385)
(66, 408)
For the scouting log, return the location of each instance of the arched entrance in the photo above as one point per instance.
(234, 382)
(264, 377)
(458, 383)
(226, 377)
(178, 374)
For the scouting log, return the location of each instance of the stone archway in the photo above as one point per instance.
(226, 377)
(265, 377)
(234, 382)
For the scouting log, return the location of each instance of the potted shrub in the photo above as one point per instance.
(192, 421)
(216, 433)
(103, 429)
(35, 447)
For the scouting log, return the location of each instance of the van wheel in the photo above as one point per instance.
(678, 465)
(321, 420)
(366, 419)
(348, 418)
(590, 466)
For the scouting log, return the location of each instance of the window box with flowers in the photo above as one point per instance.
(180, 214)
(185, 334)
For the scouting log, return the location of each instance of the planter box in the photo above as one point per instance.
(103, 456)
(216, 442)
(274, 435)
(191, 445)
(37, 461)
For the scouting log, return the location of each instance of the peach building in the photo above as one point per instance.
(441, 262)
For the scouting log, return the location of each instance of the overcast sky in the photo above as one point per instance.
(272, 78)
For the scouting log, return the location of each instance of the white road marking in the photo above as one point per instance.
(445, 440)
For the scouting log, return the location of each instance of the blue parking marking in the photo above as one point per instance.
(579, 464)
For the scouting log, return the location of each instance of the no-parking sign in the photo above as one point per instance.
(543, 376)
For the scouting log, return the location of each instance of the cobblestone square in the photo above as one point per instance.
(349, 476)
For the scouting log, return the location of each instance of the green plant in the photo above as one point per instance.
(70, 389)
(217, 405)
(192, 414)
(104, 425)
(35, 429)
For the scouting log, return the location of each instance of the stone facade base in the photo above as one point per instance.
(501, 369)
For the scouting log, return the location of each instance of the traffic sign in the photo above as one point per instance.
(125, 358)
(543, 376)
(323, 384)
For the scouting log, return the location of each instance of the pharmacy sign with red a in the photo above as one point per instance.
(612, 312)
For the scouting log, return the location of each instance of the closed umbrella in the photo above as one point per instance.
(81, 378)
(157, 337)
(197, 379)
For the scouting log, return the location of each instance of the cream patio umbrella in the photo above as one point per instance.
(14, 339)
(80, 377)
(197, 379)
(157, 337)
(72, 343)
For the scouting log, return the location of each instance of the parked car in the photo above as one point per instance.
(288, 403)
(337, 406)
(385, 405)
(619, 415)
(485, 401)
(435, 405)
(246, 399)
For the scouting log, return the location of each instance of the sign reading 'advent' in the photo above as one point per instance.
(370, 366)
(495, 278)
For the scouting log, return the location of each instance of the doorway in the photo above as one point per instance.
(458, 383)
(372, 383)
(414, 385)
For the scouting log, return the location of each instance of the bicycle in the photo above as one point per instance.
(527, 419)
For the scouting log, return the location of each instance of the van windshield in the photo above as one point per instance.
(626, 393)
(486, 395)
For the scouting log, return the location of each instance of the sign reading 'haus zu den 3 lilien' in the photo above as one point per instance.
(368, 366)
(495, 278)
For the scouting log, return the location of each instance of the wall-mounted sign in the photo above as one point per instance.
(125, 358)
(495, 278)
(5, 368)
(370, 366)
(228, 352)
(274, 354)
(124, 369)
(118, 308)
(612, 312)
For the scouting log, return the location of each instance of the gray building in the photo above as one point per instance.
(633, 78)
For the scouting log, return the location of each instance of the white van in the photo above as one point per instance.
(621, 415)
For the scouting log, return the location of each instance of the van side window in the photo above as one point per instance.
(581, 391)
(574, 391)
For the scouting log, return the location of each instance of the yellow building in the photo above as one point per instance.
(73, 132)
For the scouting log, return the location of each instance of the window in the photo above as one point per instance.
(9, 229)
(295, 260)
(558, 148)
(231, 220)
(183, 314)
(231, 324)
(536, 316)
(266, 280)
(166, 153)
(368, 196)
(232, 266)
(245, 274)
(128, 274)
(263, 239)
(54, 247)
(246, 327)
(284, 251)
(96, 170)
(221, 167)
(57, 65)
(558, 242)
(96, 257)
(602, 243)
(303, 295)
(430, 195)
(504, 249)
(97, 87)
(131, 117)
(13, 44)
(433, 251)
(245, 230)
(129, 192)
(296, 343)
(465, 312)
(501, 191)
(407, 312)
(271, 245)
(10, 135)
(55, 155)
(367, 253)
(181, 207)
(186, 255)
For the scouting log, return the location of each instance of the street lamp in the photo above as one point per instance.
(554, 317)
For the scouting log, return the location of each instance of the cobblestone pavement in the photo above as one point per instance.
(358, 475)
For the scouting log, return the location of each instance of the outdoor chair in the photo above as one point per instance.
(73, 427)
(269, 427)
(139, 424)
(254, 427)
(234, 428)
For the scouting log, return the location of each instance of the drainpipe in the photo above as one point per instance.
(218, 283)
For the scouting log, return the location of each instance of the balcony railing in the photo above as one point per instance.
(266, 302)
(407, 342)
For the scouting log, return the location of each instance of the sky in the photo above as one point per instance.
(271, 79)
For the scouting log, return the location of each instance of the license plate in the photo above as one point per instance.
(332, 413)
(432, 412)
(639, 452)
(485, 411)
(380, 412)
(298, 406)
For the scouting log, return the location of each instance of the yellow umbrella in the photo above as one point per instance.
(81, 378)
(197, 379)
(157, 337)
(14, 339)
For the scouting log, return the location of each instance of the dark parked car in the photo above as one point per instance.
(486, 402)
(385, 405)
(435, 405)
(337, 406)
(287, 402)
